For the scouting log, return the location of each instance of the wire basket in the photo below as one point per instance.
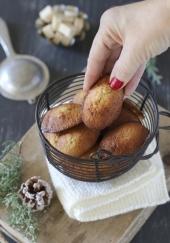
(102, 165)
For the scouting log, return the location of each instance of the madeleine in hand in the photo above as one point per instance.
(102, 105)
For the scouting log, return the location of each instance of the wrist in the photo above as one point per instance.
(168, 5)
(160, 3)
(163, 7)
(163, 4)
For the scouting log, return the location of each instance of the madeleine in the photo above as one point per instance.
(52, 138)
(129, 113)
(125, 139)
(62, 117)
(77, 140)
(102, 105)
(79, 97)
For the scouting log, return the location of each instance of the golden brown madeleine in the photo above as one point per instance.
(129, 113)
(133, 108)
(62, 117)
(125, 116)
(102, 105)
(79, 97)
(52, 138)
(125, 139)
(77, 140)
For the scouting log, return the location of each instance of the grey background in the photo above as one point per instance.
(17, 117)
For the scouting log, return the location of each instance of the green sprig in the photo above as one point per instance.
(152, 71)
(10, 172)
(20, 217)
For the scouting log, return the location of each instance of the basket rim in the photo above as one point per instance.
(113, 158)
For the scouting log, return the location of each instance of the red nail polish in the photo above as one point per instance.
(116, 83)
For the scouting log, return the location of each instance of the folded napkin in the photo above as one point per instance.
(143, 186)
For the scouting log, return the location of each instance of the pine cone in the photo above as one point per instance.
(35, 193)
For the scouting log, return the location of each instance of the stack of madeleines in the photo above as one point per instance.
(98, 119)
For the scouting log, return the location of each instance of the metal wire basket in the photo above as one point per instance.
(102, 165)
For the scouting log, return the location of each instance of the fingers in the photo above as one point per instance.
(125, 67)
(112, 59)
(132, 85)
(98, 56)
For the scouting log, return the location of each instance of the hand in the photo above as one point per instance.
(127, 38)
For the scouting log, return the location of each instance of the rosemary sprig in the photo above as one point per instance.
(20, 217)
(10, 172)
(5, 147)
(152, 71)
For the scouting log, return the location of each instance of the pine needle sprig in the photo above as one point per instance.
(152, 72)
(20, 217)
(5, 147)
(10, 173)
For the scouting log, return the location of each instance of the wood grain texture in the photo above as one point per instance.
(17, 117)
(58, 226)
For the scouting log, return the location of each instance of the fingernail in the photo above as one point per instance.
(116, 83)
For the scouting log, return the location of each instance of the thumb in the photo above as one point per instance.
(126, 66)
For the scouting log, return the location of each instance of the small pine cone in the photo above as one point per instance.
(35, 193)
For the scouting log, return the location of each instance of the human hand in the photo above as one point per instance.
(127, 38)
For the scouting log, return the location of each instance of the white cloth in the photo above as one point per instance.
(143, 186)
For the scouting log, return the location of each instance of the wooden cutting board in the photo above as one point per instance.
(56, 226)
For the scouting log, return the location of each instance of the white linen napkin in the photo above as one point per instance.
(143, 186)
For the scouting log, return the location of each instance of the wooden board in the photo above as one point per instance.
(56, 226)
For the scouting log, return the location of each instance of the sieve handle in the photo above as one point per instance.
(147, 156)
(167, 114)
(5, 40)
